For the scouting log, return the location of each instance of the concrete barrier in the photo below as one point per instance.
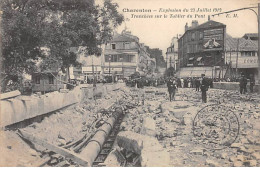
(20, 108)
(232, 86)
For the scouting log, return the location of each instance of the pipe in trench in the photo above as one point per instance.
(94, 146)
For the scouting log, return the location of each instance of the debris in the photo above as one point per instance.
(197, 151)
(252, 162)
(65, 153)
(238, 163)
(256, 155)
(212, 163)
(148, 127)
(235, 145)
(115, 159)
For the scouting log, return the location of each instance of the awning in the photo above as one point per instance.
(191, 58)
(199, 58)
(89, 68)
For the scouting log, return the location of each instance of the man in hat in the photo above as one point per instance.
(242, 84)
(171, 84)
(197, 84)
(204, 88)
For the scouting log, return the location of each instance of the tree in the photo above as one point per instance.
(21, 36)
(57, 25)
(157, 54)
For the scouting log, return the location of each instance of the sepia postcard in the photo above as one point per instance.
(129, 83)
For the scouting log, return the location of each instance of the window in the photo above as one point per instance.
(111, 57)
(51, 80)
(193, 36)
(37, 79)
(129, 58)
(253, 53)
(113, 46)
(201, 35)
(126, 45)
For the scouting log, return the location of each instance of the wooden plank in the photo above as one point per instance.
(43, 162)
(66, 153)
(10, 94)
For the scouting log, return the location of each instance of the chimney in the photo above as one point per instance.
(186, 27)
(194, 23)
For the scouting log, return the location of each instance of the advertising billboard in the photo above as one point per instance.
(213, 39)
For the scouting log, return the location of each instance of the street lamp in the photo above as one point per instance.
(258, 22)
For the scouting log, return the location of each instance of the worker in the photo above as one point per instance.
(204, 88)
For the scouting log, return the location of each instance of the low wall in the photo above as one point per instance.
(232, 86)
(21, 108)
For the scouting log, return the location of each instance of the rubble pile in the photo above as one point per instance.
(174, 123)
(154, 129)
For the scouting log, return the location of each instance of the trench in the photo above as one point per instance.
(90, 149)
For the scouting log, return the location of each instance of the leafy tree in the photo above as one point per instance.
(157, 54)
(21, 34)
(57, 25)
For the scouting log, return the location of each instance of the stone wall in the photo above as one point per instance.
(232, 86)
(20, 108)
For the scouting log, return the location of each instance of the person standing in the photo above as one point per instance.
(182, 83)
(252, 83)
(204, 88)
(171, 84)
(197, 84)
(189, 83)
(242, 84)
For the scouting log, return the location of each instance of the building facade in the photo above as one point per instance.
(48, 81)
(172, 54)
(201, 49)
(241, 55)
(124, 55)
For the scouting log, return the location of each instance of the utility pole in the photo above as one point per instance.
(230, 65)
(93, 73)
(237, 55)
(258, 23)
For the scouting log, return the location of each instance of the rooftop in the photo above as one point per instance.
(122, 38)
(207, 24)
(244, 44)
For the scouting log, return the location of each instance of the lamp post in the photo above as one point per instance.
(258, 22)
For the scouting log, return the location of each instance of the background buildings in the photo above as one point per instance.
(201, 49)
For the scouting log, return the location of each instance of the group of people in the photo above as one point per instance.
(243, 83)
(204, 83)
(201, 83)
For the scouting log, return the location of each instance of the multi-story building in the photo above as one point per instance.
(172, 54)
(124, 55)
(201, 49)
(91, 65)
(241, 55)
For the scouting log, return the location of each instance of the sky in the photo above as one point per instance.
(158, 32)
